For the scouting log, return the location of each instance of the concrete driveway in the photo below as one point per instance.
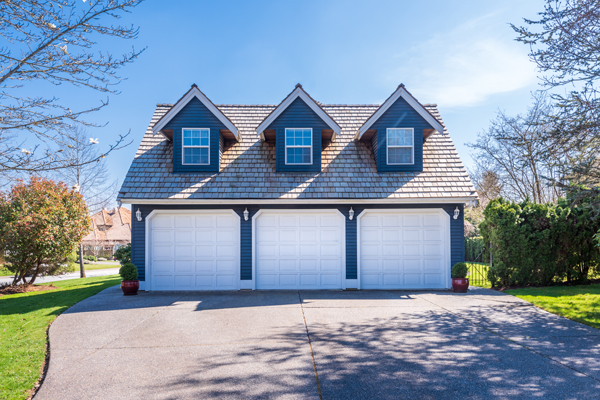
(311, 345)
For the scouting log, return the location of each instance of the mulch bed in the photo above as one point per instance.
(24, 289)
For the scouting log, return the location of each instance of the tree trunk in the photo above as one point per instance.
(81, 268)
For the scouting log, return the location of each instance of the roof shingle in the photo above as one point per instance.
(248, 166)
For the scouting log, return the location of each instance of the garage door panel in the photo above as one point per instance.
(184, 236)
(304, 248)
(412, 280)
(184, 251)
(195, 252)
(432, 249)
(411, 249)
(288, 250)
(288, 236)
(411, 221)
(163, 252)
(184, 222)
(432, 220)
(163, 266)
(409, 253)
(162, 222)
(184, 266)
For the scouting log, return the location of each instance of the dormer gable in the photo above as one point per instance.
(230, 133)
(397, 131)
(198, 131)
(300, 129)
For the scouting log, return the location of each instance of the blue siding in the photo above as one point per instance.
(196, 115)
(138, 234)
(399, 115)
(298, 115)
(374, 146)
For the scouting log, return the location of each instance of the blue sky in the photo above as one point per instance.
(460, 55)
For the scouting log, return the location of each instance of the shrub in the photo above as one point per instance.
(123, 254)
(459, 270)
(538, 244)
(128, 272)
(90, 258)
(41, 224)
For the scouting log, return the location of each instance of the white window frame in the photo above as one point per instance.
(387, 146)
(183, 147)
(302, 146)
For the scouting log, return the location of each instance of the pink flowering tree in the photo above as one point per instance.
(41, 224)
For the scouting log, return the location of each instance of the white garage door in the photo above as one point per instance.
(299, 250)
(194, 251)
(404, 249)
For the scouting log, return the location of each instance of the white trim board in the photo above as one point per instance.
(400, 92)
(298, 92)
(194, 92)
(411, 200)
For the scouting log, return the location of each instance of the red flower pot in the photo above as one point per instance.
(460, 285)
(130, 287)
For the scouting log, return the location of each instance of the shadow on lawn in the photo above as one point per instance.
(61, 298)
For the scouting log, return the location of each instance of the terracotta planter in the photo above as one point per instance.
(460, 285)
(130, 288)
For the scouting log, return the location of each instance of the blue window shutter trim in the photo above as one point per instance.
(196, 115)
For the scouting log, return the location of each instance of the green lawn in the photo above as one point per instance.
(478, 274)
(579, 303)
(23, 321)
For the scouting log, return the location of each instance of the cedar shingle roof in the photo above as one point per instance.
(111, 226)
(248, 167)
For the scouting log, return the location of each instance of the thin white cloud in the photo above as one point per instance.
(464, 67)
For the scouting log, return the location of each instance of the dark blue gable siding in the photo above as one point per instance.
(138, 234)
(298, 115)
(196, 115)
(399, 115)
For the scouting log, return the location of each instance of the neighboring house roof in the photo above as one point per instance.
(410, 99)
(182, 102)
(110, 225)
(248, 167)
(298, 92)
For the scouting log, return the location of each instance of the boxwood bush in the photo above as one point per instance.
(460, 270)
(538, 244)
(128, 272)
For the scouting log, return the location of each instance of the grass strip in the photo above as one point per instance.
(24, 318)
(579, 303)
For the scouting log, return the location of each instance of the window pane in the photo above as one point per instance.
(195, 155)
(400, 155)
(408, 137)
(204, 141)
(393, 138)
(298, 155)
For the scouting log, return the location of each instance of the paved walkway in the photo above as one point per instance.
(70, 275)
(316, 344)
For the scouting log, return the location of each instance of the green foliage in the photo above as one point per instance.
(90, 258)
(72, 259)
(41, 224)
(537, 244)
(474, 249)
(123, 254)
(128, 272)
(459, 270)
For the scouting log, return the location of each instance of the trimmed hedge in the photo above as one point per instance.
(538, 244)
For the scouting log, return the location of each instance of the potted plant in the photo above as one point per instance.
(460, 282)
(130, 283)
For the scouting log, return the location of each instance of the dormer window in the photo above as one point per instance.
(196, 146)
(400, 146)
(298, 146)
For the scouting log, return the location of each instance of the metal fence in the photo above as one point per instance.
(477, 258)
